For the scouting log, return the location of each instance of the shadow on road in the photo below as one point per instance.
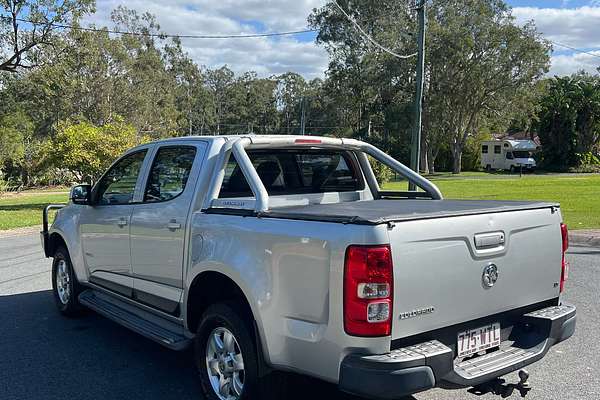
(47, 356)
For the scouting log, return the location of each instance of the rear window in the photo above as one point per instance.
(295, 172)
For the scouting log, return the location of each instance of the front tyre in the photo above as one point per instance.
(226, 357)
(65, 286)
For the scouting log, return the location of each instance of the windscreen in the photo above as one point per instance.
(295, 171)
(522, 154)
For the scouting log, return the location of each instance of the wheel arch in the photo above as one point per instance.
(55, 240)
(210, 287)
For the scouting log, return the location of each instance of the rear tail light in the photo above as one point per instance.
(564, 275)
(368, 291)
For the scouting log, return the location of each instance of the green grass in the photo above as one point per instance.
(25, 209)
(578, 195)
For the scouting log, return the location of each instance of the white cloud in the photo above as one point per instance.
(266, 56)
(575, 27)
(578, 27)
(566, 64)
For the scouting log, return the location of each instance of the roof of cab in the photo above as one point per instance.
(218, 137)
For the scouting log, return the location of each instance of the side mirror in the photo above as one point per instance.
(80, 194)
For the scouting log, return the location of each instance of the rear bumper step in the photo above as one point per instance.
(160, 330)
(413, 369)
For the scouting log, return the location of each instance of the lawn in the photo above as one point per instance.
(578, 195)
(25, 209)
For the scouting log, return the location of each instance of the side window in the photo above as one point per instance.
(169, 173)
(497, 150)
(509, 155)
(484, 149)
(118, 185)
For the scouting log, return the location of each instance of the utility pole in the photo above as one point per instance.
(416, 134)
(303, 117)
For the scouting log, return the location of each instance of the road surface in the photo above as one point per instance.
(46, 356)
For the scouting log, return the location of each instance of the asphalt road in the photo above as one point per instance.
(46, 356)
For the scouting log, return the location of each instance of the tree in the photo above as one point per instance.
(87, 150)
(27, 48)
(193, 100)
(219, 82)
(569, 120)
(291, 89)
(100, 77)
(480, 61)
(369, 88)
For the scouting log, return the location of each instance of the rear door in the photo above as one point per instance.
(440, 267)
(158, 224)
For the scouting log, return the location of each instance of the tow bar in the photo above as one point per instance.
(499, 386)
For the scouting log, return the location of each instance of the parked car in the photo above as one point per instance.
(508, 155)
(283, 253)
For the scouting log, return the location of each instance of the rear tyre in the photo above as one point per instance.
(512, 169)
(65, 286)
(227, 360)
(488, 168)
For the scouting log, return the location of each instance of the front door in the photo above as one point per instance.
(158, 225)
(105, 225)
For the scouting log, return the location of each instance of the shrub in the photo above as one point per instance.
(382, 172)
(86, 150)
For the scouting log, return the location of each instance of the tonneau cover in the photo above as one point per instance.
(375, 212)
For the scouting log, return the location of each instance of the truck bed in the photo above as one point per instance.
(377, 212)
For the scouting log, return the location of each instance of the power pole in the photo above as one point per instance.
(303, 117)
(416, 134)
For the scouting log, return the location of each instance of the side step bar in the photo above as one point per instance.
(146, 324)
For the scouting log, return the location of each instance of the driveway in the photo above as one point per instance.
(46, 356)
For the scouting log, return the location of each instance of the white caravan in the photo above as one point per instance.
(508, 155)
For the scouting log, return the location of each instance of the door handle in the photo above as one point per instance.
(122, 222)
(173, 225)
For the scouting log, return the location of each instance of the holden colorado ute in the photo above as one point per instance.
(282, 253)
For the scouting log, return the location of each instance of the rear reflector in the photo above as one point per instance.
(368, 291)
(308, 141)
(564, 274)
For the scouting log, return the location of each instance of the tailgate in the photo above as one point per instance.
(439, 269)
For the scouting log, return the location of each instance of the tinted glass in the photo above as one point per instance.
(169, 173)
(497, 149)
(522, 154)
(295, 172)
(118, 185)
(484, 149)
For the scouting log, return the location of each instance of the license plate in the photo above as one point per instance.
(478, 339)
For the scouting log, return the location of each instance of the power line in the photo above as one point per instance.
(575, 49)
(160, 35)
(368, 37)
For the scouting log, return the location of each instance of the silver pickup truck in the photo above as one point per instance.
(282, 253)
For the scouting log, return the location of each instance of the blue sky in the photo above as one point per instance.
(572, 22)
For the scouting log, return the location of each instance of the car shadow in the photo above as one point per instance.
(45, 355)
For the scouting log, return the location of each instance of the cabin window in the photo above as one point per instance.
(484, 149)
(497, 150)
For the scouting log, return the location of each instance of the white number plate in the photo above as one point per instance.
(479, 339)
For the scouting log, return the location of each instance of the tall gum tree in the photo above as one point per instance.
(480, 62)
(28, 28)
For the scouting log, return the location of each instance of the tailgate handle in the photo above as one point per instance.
(488, 240)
